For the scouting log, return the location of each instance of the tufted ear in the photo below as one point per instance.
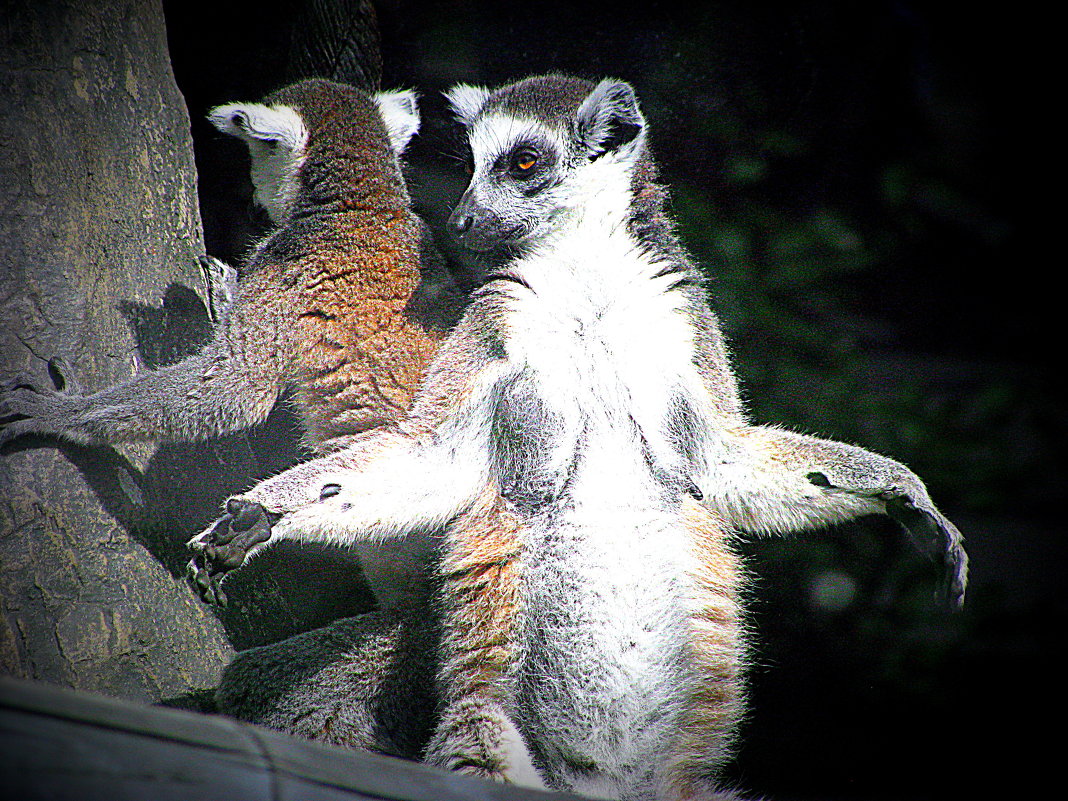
(466, 101)
(254, 122)
(609, 121)
(400, 112)
(276, 137)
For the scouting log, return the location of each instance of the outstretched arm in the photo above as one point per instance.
(770, 481)
(413, 477)
(231, 384)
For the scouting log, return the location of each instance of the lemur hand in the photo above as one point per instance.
(937, 537)
(29, 407)
(908, 503)
(226, 545)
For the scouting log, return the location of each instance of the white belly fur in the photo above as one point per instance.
(606, 569)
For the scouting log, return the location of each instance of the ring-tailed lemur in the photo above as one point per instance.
(586, 397)
(343, 303)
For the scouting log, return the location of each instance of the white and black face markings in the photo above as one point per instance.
(528, 156)
(276, 137)
(515, 165)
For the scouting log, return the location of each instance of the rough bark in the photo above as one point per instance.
(99, 239)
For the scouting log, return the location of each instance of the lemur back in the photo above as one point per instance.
(342, 270)
(340, 307)
(329, 305)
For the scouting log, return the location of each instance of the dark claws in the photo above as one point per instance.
(206, 585)
(935, 536)
(245, 525)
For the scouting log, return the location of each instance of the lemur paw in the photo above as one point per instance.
(907, 502)
(226, 545)
(27, 406)
(935, 535)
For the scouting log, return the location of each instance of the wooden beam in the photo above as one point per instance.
(68, 745)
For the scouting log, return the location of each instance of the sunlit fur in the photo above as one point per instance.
(603, 625)
(580, 447)
(330, 310)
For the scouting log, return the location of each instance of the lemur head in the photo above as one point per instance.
(542, 150)
(288, 126)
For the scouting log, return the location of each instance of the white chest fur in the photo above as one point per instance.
(605, 565)
(609, 343)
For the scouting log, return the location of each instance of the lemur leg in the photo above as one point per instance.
(772, 481)
(480, 596)
(479, 577)
(361, 682)
(715, 703)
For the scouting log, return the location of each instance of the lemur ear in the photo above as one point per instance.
(276, 137)
(254, 122)
(400, 112)
(609, 119)
(466, 101)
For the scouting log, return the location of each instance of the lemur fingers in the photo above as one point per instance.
(226, 545)
(935, 535)
(28, 407)
(784, 481)
(906, 501)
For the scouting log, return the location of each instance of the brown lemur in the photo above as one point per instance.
(342, 305)
(580, 448)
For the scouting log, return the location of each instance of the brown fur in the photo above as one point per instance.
(716, 705)
(329, 305)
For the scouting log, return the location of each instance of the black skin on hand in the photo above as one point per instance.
(244, 525)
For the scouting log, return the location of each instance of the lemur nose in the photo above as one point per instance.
(462, 224)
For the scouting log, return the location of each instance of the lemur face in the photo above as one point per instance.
(519, 183)
(539, 149)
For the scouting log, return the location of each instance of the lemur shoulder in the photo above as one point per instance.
(586, 397)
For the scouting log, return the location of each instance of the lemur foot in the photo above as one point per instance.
(488, 746)
(225, 546)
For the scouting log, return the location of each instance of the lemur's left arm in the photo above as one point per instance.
(770, 481)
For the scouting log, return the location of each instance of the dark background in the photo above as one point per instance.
(851, 177)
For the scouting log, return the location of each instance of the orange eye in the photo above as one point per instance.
(524, 161)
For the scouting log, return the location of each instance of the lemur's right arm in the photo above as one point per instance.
(411, 477)
(229, 385)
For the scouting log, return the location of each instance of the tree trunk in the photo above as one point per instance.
(98, 222)
(99, 242)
